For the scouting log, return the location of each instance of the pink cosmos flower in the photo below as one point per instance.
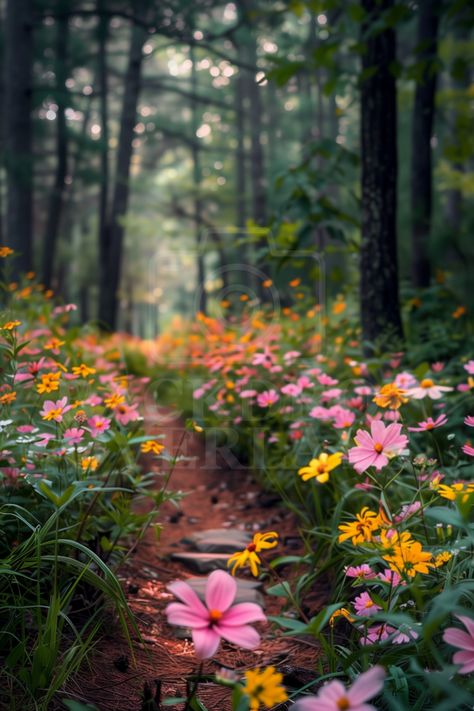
(126, 413)
(408, 510)
(93, 400)
(344, 418)
(377, 633)
(320, 413)
(248, 394)
(45, 437)
(334, 696)
(291, 356)
(470, 367)
(376, 448)
(365, 606)
(437, 367)
(324, 379)
(405, 380)
(467, 449)
(392, 416)
(469, 421)
(291, 389)
(74, 435)
(427, 388)
(55, 410)
(404, 635)
(391, 577)
(330, 394)
(198, 393)
(267, 398)
(217, 618)
(266, 358)
(363, 390)
(430, 424)
(98, 425)
(360, 571)
(464, 641)
(304, 382)
(25, 429)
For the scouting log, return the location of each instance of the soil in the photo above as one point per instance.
(216, 497)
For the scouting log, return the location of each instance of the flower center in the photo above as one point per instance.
(429, 426)
(426, 383)
(378, 447)
(214, 616)
(251, 547)
(343, 703)
(321, 468)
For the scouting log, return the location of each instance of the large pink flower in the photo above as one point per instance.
(217, 617)
(334, 696)
(376, 448)
(465, 642)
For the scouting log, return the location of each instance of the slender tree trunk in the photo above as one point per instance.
(18, 130)
(422, 129)
(104, 232)
(201, 301)
(380, 309)
(111, 266)
(56, 201)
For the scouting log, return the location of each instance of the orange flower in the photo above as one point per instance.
(153, 446)
(390, 396)
(8, 398)
(5, 252)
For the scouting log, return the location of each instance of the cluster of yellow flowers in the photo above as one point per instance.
(403, 554)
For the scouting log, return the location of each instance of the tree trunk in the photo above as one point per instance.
(201, 296)
(56, 201)
(104, 233)
(18, 130)
(422, 129)
(380, 309)
(111, 259)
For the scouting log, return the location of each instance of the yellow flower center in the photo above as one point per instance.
(343, 703)
(426, 383)
(214, 616)
(378, 447)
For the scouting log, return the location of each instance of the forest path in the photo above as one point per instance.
(216, 498)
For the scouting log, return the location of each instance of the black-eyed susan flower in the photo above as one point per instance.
(249, 556)
(319, 467)
(264, 688)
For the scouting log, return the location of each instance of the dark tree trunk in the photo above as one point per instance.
(56, 201)
(201, 296)
(104, 232)
(111, 260)
(18, 130)
(240, 175)
(380, 308)
(422, 129)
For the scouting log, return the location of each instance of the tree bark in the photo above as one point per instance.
(18, 131)
(379, 300)
(56, 201)
(422, 129)
(201, 296)
(104, 233)
(111, 260)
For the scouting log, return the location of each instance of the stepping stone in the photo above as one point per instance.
(202, 562)
(218, 540)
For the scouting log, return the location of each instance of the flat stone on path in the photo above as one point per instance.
(202, 562)
(218, 540)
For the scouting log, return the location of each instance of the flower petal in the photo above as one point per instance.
(221, 589)
(243, 636)
(243, 613)
(186, 594)
(468, 622)
(206, 642)
(458, 638)
(179, 614)
(366, 686)
(467, 661)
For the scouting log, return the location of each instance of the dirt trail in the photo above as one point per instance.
(217, 499)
